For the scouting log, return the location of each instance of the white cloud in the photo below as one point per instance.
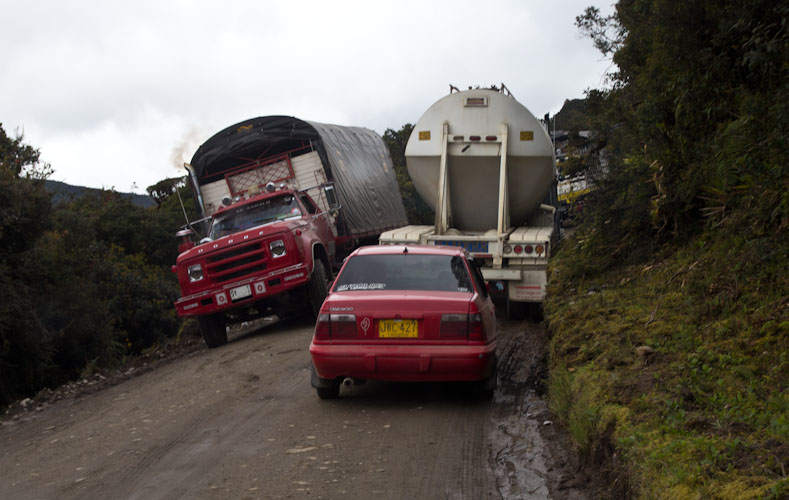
(108, 90)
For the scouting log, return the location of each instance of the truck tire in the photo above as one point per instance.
(317, 288)
(515, 310)
(536, 312)
(214, 329)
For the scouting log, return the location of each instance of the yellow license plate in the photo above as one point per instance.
(397, 328)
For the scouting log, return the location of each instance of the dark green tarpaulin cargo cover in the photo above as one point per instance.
(355, 158)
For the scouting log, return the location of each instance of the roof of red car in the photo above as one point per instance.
(417, 249)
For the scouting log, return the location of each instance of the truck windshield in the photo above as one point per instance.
(254, 214)
(404, 272)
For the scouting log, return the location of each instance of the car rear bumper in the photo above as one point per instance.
(404, 363)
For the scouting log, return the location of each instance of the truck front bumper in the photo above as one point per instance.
(259, 288)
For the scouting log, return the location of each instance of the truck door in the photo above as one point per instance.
(319, 223)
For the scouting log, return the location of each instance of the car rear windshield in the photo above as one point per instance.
(404, 272)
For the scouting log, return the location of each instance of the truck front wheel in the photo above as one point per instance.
(317, 287)
(214, 329)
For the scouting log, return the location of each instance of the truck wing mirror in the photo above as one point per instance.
(185, 239)
(331, 196)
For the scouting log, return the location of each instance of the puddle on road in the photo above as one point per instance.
(525, 461)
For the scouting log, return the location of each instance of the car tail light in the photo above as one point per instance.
(342, 325)
(322, 327)
(539, 249)
(331, 326)
(476, 330)
(528, 249)
(454, 325)
(518, 249)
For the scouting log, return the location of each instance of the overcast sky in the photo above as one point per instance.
(119, 94)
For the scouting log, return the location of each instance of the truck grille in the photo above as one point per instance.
(236, 262)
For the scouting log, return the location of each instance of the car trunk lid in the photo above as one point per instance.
(399, 317)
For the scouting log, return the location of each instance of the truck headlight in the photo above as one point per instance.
(277, 248)
(195, 272)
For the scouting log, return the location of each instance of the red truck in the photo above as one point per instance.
(285, 200)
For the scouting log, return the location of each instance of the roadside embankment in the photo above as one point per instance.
(671, 374)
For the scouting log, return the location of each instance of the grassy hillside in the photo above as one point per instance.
(669, 309)
(672, 373)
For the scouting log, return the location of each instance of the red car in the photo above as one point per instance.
(406, 313)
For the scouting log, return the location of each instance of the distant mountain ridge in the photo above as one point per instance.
(64, 192)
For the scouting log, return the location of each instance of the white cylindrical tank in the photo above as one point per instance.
(475, 119)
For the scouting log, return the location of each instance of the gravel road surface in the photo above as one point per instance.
(242, 421)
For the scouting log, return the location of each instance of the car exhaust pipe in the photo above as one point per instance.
(348, 382)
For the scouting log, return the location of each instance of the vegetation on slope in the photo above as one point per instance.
(83, 283)
(679, 363)
(668, 308)
(416, 209)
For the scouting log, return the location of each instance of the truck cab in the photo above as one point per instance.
(285, 200)
(259, 258)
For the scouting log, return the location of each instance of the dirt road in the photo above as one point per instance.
(242, 421)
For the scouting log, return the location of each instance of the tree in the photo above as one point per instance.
(694, 117)
(81, 285)
(165, 188)
(24, 215)
(16, 156)
(416, 209)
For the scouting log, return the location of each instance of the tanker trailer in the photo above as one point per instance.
(487, 166)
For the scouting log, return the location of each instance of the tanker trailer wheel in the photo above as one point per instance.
(515, 310)
(317, 287)
(536, 311)
(214, 329)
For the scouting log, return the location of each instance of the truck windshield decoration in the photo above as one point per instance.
(255, 214)
(405, 272)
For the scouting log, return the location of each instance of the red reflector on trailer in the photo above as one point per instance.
(518, 249)
(528, 249)
(474, 138)
(491, 138)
